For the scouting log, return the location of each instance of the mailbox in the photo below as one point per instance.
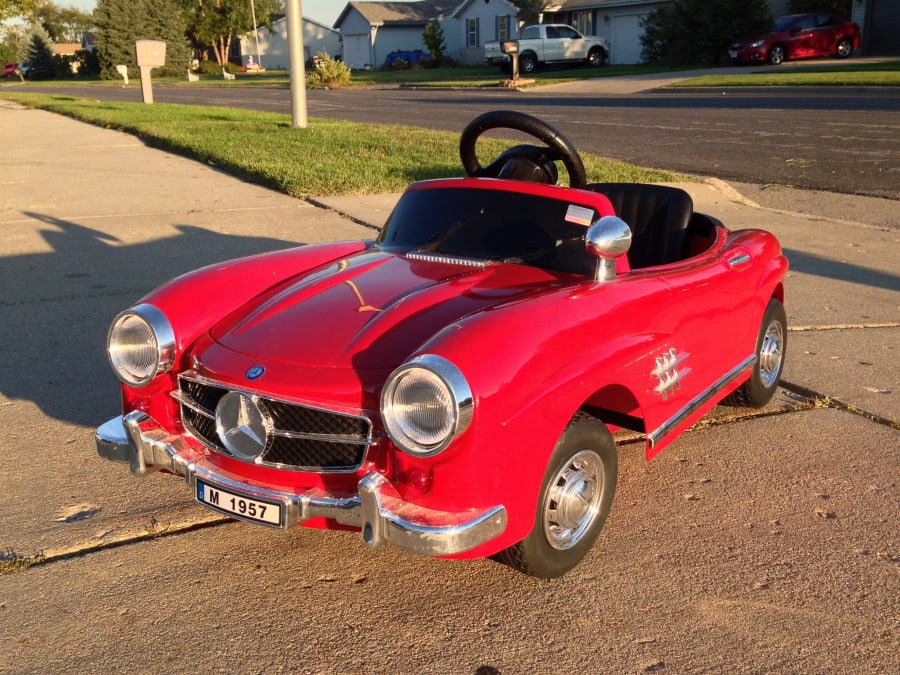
(509, 47)
(150, 53)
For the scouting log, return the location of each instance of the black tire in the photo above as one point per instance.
(596, 57)
(771, 345)
(527, 63)
(777, 55)
(575, 499)
(844, 48)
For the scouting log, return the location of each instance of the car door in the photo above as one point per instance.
(571, 44)
(825, 36)
(711, 321)
(803, 36)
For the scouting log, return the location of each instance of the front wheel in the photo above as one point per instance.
(777, 55)
(770, 349)
(575, 499)
(844, 48)
(596, 58)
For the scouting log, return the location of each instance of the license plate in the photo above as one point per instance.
(239, 506)
(732, 53)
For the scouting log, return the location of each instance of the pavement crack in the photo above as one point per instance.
(845, 326)
(12, 561)
(821, 400)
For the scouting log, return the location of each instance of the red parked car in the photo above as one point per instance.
(799, 36)
(453, 386)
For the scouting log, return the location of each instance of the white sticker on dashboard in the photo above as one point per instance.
(580, 215)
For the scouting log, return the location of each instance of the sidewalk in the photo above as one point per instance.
(761, 525)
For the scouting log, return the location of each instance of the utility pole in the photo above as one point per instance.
(296, 63)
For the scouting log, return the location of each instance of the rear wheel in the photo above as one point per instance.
(844, 48)
(527, 63)
(575, 499)
(777, 55)
(770, 350)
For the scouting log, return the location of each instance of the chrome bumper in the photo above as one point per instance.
(378, 509)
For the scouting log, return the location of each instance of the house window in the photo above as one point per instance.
(503, 28)
(584, 22)
(472, 32)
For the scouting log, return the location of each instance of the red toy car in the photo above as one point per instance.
(452, 386)
(799, 36)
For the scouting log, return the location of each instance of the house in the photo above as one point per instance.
(372, 30)
(273, 44)
(475, 22)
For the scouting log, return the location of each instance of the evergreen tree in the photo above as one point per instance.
(120, 23)
(39, 53)
(433, 38)
(697, 32)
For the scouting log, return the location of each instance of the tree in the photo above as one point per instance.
(530, 10)
(697, 32)
(15, 9)
(843, 8)
(213, 24)
(433, 38)
(120, 23)
(39, 53)
(63, 24)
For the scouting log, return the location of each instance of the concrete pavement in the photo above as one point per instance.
(92, 218)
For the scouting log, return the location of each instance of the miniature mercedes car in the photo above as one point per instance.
(453, 386)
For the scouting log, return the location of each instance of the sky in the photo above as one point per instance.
(323, 11)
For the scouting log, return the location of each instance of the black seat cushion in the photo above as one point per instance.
(659, 217)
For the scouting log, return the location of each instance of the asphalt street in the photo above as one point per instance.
(761, 541)
(844, 140)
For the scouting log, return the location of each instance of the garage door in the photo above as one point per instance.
(883, 23)
(356, 51)
(625, 38)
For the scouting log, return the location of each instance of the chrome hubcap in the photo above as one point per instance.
(574, 499)
(771, 353)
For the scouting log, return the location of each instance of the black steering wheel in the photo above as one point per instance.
(522, 162)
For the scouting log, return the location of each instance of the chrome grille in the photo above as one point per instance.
(302, 438)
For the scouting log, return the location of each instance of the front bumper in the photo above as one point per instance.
(377, 510)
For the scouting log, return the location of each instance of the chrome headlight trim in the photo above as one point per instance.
(140, 345)
(441, 412)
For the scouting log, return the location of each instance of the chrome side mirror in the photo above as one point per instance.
(607, 239)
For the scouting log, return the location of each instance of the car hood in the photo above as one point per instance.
(371, 310)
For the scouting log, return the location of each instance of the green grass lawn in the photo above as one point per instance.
(885, 74)
(326, 158)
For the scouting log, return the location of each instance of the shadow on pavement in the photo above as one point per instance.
(57, 305)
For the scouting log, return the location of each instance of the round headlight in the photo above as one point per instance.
(426, 403)
(140, 344)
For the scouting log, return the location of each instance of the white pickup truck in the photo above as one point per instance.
(550, 43)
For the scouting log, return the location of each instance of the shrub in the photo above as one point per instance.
(697, 32)
(326, 72)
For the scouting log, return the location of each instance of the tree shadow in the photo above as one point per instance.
(56, 306)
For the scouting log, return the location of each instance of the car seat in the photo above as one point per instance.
(659, 217)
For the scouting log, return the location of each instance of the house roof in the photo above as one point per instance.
(461, 8)
(399, 13)
(66, 48)
(573, 5)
